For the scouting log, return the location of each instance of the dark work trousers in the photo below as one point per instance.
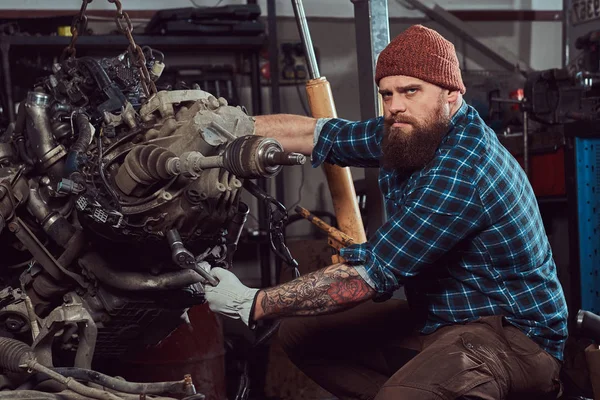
(372, 351)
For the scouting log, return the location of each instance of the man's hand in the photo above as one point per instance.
(230, 297)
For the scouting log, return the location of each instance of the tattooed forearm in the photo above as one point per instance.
(325, 291)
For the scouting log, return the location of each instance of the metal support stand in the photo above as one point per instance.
(526, 142)
(275, 102)
(372, 35)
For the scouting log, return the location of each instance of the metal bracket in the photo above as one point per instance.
(71, 313)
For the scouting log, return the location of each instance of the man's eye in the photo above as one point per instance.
(411, 91)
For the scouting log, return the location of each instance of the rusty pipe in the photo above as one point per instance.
(320, 99)
(341, 185)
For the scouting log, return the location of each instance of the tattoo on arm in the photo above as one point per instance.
(324, 291)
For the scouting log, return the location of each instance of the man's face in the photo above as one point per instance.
(417, 117)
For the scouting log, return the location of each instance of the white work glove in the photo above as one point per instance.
(230, 297)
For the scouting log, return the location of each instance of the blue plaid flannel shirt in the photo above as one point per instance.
(464, 235)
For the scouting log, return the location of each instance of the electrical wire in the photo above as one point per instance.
(306, 112)
(304, 107)
(299, 189)
(102, 176)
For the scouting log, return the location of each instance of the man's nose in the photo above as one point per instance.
(398, 105)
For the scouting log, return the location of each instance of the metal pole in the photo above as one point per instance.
(275, 103)
(5, 48)
(372, 35)
(309, 51)
(565, 33)
(320, 101)
(525, 142)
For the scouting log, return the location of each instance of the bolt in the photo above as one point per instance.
(14, 324)
(13, 227)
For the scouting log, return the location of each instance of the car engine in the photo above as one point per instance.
(115, 202)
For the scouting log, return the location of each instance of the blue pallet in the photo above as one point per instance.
(587, 153)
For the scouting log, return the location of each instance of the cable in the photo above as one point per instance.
(299, 189)
(103, 177)
(304, 107)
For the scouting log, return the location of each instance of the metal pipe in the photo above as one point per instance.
(72, 383)
(275, 103)
(339, 180)
(4, 48)
(35, 328)
(565, 34)
(526, 142)
(53, 223)
(309, 51)
(39, 132)
(119, 385)
(135, 281)
(37, 250)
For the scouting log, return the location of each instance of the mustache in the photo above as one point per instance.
(403, 119)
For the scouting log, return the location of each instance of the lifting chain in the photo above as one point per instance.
(78, 25)
(126, 27)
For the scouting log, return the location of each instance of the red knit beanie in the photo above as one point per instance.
(422, 53)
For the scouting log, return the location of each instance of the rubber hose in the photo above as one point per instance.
(13, 354)
(20, 122)
(81, 144)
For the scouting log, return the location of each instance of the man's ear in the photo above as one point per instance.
(453, 96)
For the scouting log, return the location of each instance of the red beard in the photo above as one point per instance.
(409, 151)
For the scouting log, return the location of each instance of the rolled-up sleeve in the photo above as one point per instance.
(441, 210)
(346, 143)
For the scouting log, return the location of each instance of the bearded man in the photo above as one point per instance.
(485, 316)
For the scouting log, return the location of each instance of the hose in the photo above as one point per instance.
(20, 122)
(81, 144)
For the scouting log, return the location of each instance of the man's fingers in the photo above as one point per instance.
(219, 273)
